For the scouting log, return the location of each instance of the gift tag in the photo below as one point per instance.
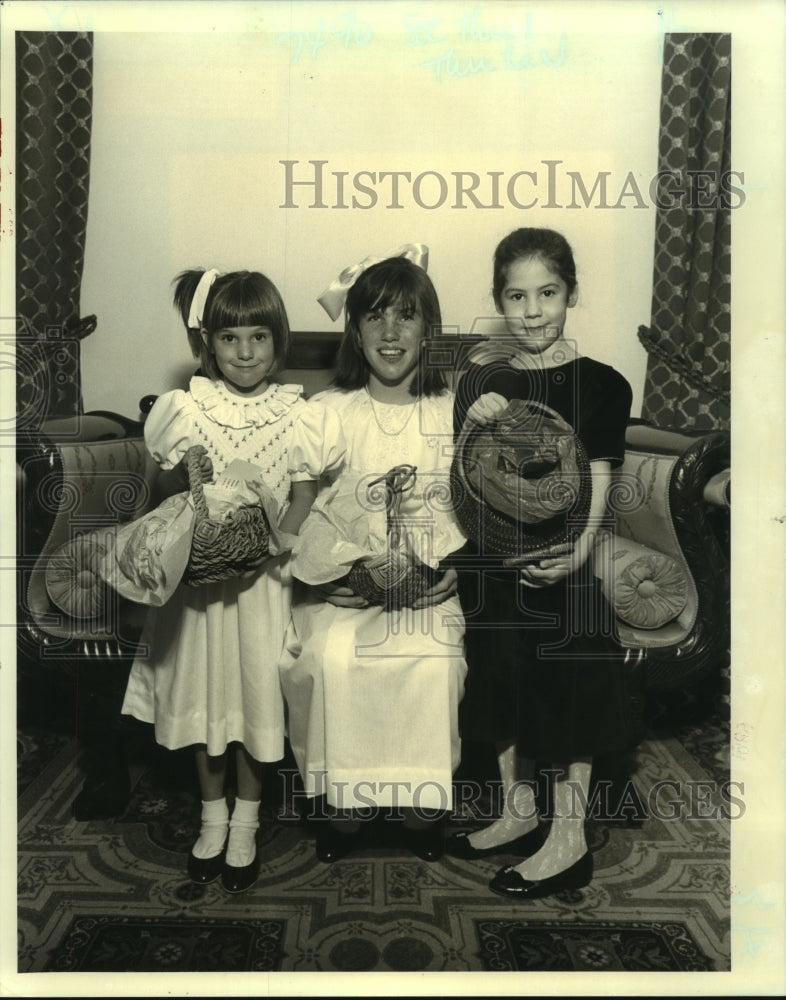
(238, 473)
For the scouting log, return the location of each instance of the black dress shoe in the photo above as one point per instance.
(458, 846)
(205, 870)
(236, 879)
(507, 882)
(426, 843)
(102, 799)
(332, 845)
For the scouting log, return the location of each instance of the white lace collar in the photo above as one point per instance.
(225, 408)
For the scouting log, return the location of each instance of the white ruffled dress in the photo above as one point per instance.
(208, 669)
(372, 696)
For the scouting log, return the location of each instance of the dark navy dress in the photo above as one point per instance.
(545, 664)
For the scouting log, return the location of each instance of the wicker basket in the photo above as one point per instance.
(537, 487)
(396, 578)
(222, 548)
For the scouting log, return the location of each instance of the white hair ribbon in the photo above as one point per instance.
(333, 298)
(197, 310)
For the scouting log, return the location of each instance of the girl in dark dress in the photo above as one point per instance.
(546, 677)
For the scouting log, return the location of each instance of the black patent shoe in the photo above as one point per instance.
(458, 846)
(236, 879)
(331, 845)
(426, 843)
(509, 883)
(205, 870)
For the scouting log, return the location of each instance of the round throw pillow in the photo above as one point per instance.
(72, 579)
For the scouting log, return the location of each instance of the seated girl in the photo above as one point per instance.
(372, 689)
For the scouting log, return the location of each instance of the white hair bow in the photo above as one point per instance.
(197, 310)
(333, 298)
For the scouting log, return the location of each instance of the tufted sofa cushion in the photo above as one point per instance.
(647, 589)
(72, 579)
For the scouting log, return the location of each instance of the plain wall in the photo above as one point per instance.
(189, 128)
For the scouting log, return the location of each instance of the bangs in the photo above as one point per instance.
(403, 298)
(245, 298)
(236, 308)
(397, 288)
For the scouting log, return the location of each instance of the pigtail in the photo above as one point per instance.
(186, 284)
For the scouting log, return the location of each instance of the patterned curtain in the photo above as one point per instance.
(54, 83)
(688, 340)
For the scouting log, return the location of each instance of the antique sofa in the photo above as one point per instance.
(666, 568)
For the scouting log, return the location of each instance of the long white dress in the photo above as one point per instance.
(372, 696)
(207, 671)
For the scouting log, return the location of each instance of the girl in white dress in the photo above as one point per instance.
(209, 677)
(373, 694)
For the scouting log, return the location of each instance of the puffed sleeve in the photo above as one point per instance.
(318, 446)
(168, 429)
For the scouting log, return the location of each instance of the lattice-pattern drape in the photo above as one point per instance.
(54, 83)
(688, 340)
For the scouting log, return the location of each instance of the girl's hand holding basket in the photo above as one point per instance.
(233, 545)
(202, 461)
(342, 595)
(395, 578)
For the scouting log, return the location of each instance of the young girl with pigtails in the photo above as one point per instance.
(210, 675)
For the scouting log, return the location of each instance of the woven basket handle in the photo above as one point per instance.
(396, 481)
(195, 480)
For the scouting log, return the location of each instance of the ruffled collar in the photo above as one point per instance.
(225, 408)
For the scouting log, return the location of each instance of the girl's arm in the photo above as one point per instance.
(171, 481)
(304, 493)
(175, 480)
(550, 569)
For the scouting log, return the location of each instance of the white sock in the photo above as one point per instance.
(213, 832)
(241, 847)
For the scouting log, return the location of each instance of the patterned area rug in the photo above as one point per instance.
(113, 895)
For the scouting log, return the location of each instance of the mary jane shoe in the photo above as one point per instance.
(205, 870)
(510, 884)
(236, 879)
(331, 845)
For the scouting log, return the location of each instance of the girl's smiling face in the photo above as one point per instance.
(390, 340)
(534, 301)
(245, 356)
